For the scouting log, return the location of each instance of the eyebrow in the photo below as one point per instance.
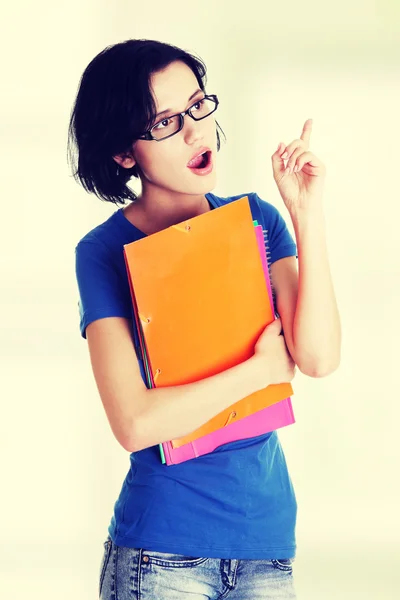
(168, 110)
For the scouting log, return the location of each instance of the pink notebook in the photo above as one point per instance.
(264, 421)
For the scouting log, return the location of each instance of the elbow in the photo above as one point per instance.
(129, 445)
(319, 369)
(319, 372)
(130, 441)
(135, 440)
(126, 435)
(127, 441)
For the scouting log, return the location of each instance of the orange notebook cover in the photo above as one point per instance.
(202, 302)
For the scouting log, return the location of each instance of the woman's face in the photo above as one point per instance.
(163, 164)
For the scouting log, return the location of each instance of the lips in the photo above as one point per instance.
(198, 158)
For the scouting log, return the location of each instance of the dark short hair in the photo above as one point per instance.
(114, 106)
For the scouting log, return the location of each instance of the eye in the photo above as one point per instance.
(163, 123)
(198, 105)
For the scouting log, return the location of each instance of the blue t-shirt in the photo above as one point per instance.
(237, 502)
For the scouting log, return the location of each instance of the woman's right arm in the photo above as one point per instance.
(141, 417)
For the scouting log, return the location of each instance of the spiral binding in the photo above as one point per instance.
(268, 254)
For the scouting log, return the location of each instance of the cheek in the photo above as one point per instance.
(211, 124)
(159, 162)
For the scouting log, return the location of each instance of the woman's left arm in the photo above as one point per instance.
(305, 298)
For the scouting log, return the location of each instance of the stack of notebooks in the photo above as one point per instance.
(201, 296)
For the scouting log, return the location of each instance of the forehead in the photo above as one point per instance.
(173, 86)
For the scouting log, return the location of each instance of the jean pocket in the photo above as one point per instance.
(104, 561)
(283, 564)
(166, 559)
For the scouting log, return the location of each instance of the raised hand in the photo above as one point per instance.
(301, 182)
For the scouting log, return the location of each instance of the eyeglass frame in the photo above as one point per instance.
(147, 135)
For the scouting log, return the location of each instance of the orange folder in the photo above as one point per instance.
(202, 301)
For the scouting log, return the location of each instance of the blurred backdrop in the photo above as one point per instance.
(273, 66)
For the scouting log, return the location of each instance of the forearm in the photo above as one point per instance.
(172, 412)
(316, 326)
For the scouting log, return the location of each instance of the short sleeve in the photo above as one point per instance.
(280, 241)
(101, 289)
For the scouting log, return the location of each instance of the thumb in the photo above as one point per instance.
(278, 165)
(275, 327)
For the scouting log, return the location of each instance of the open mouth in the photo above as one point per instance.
(201, 162)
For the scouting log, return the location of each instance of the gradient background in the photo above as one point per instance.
(273, 65)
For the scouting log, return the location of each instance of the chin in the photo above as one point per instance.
(205, 185)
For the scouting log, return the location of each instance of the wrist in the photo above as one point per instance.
(258, 372)
(300, 216)
(309, 223)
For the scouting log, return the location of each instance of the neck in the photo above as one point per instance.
(158, 209)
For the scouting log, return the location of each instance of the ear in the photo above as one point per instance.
(126, 161)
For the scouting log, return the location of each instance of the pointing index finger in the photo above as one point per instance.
(306, 133)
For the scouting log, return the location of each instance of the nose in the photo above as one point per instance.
(192, 130)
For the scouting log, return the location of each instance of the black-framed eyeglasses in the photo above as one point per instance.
(169, 126)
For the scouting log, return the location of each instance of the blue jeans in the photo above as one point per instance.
(139, 574)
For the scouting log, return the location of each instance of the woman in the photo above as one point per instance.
(222, 525)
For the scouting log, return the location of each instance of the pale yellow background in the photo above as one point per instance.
(273, 65)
